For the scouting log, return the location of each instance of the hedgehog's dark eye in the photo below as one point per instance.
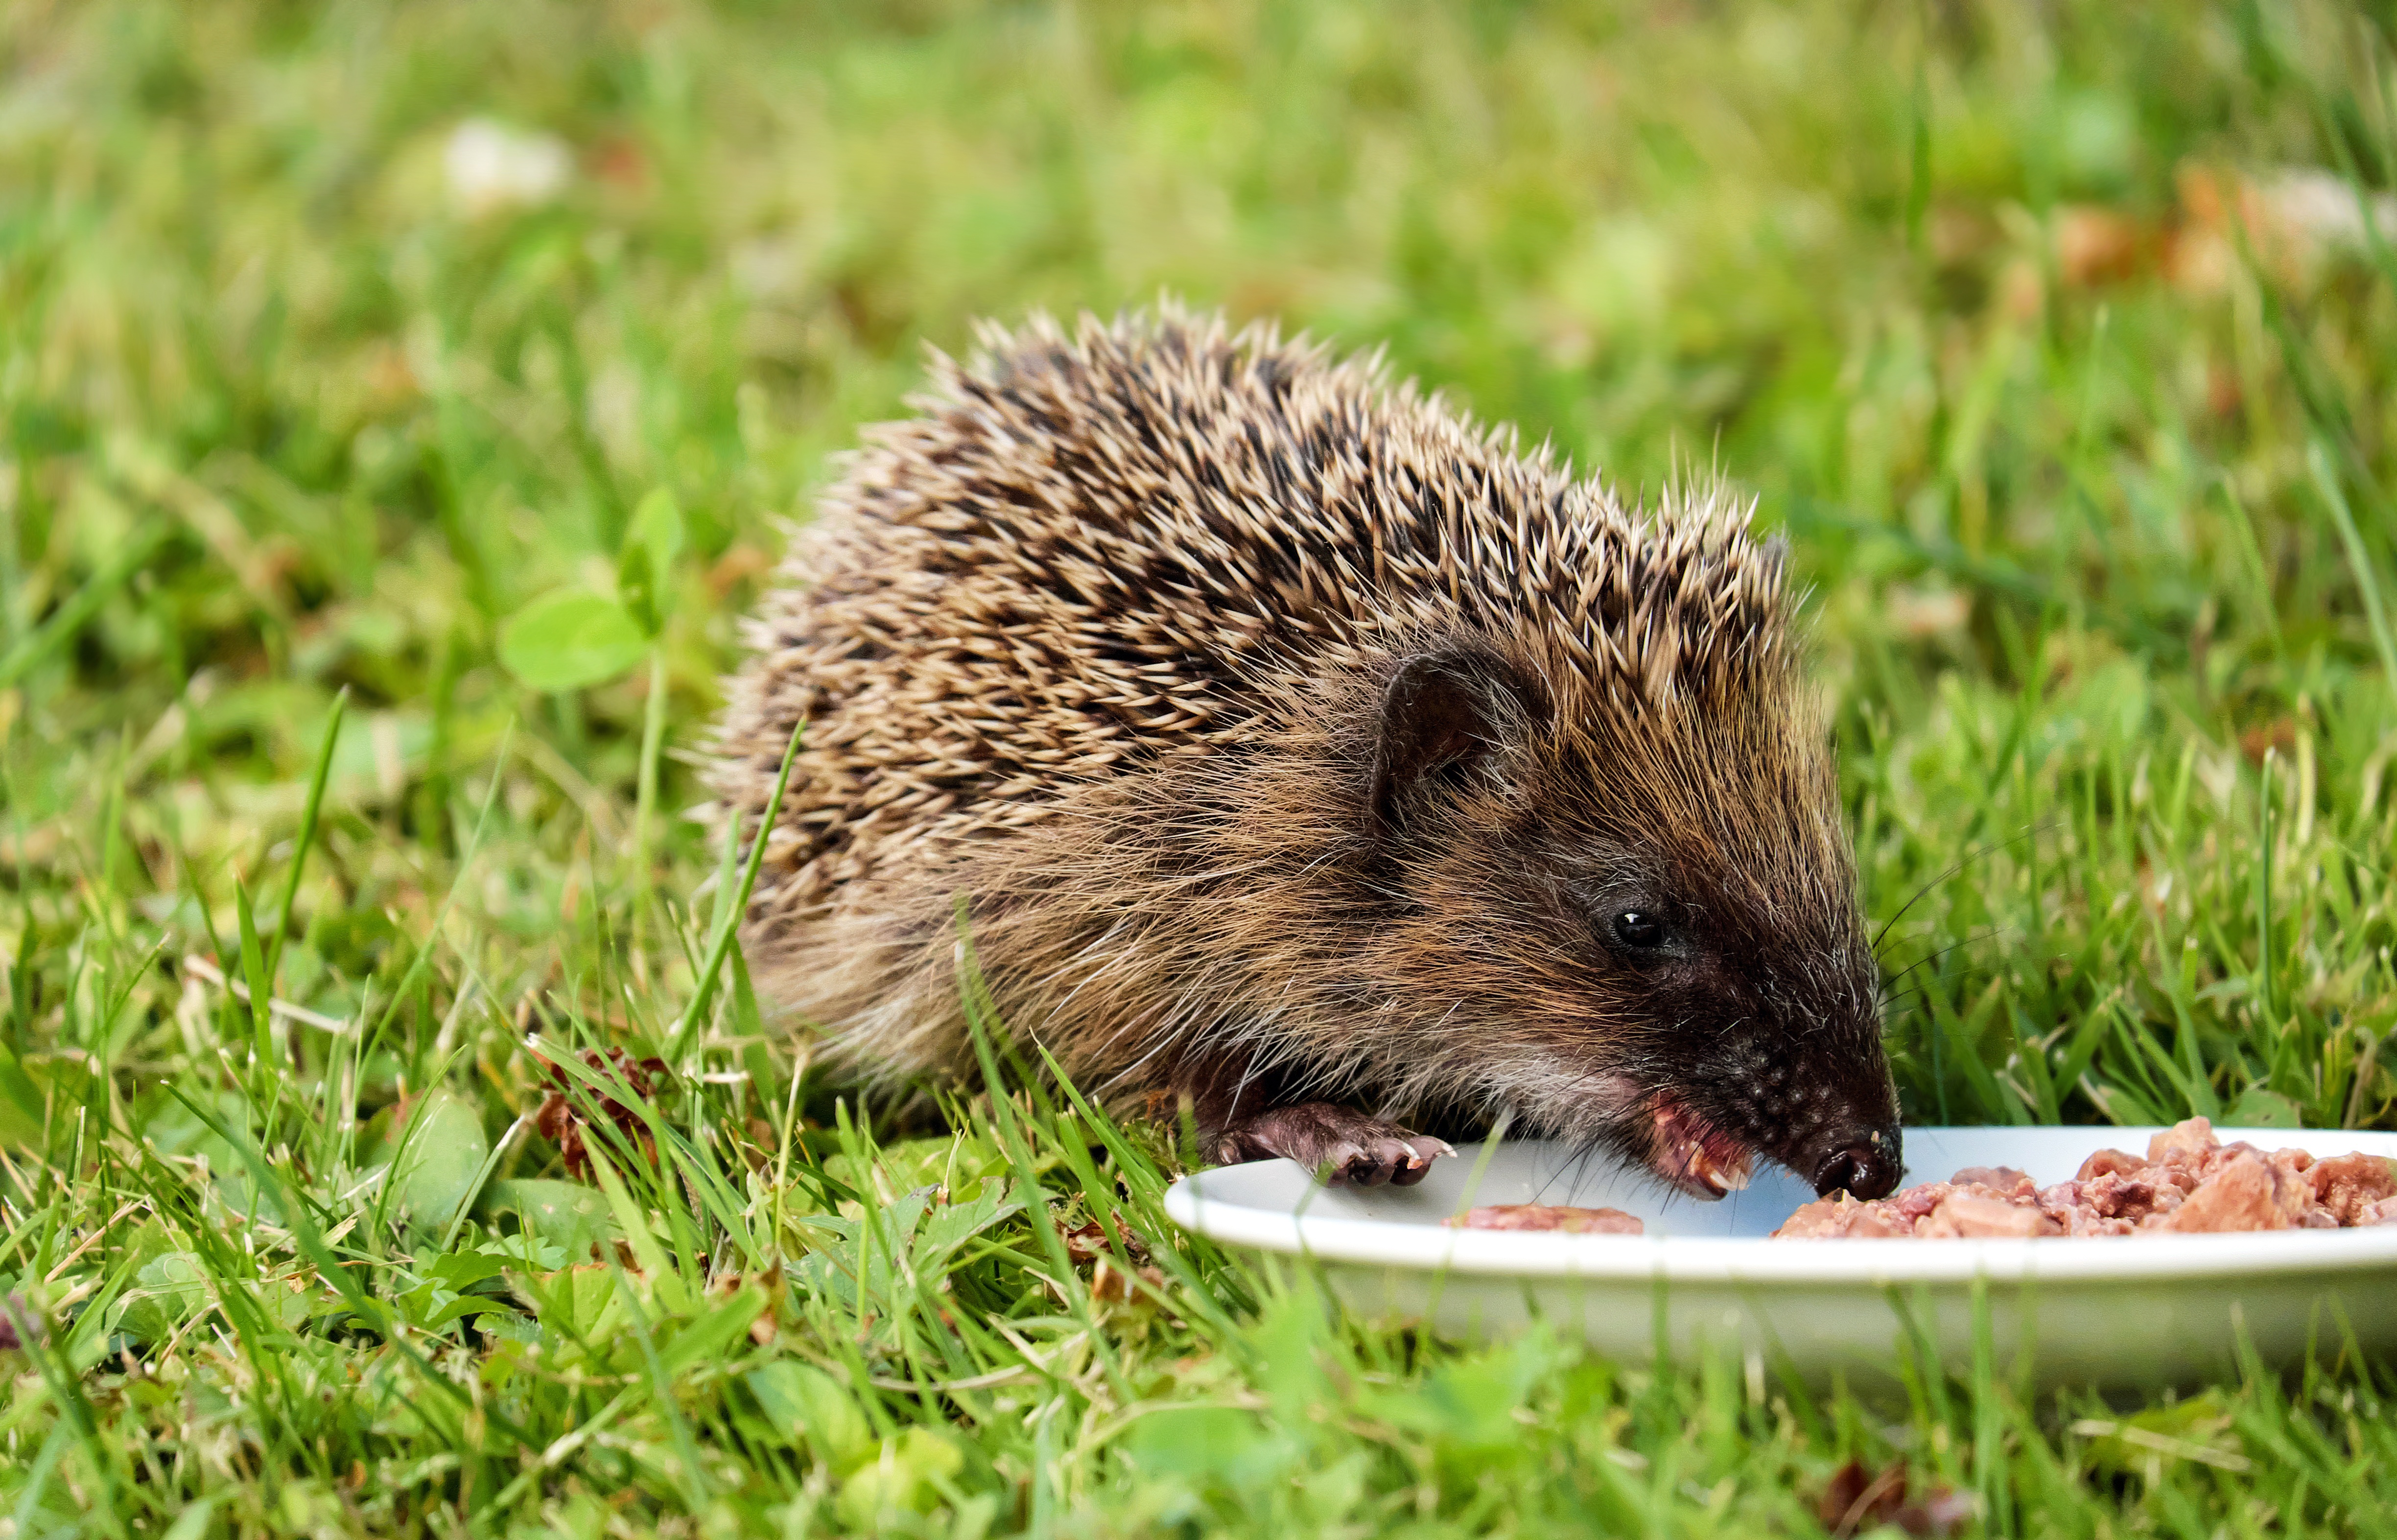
(1639, 928)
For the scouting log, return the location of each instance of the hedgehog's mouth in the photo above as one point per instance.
(1693, 1154)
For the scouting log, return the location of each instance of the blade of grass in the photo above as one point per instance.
(311, 1244)
(2359, 560)
(716, 1195)
(423, 958)
(694, 1474)
(2267, 1019)
(653, 737)
(736, 908)
(70, 618)
(307, 835)
(982, 1025)
(253, 970)
(78, 1419)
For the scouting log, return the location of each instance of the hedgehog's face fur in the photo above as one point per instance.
(1638, 915)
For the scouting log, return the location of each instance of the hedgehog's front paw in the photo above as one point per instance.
(1347, 1148)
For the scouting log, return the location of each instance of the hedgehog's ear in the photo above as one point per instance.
(1448, 717)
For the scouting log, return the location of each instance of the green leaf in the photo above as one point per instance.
(567, 1214)
(169, 1290)
(24, 1112)
(193, 1523)
(307, 835)
(439, 1153)
(954, 1223)
(440, 1298)
(569, 639)
(901, 1477)
(712, 1334)
(2259, 1109)
(71, 617)
(644, 567)
(173, 1129)
(1194, 1440)
(804, 1405)
(578, 1299)
(459, 1271)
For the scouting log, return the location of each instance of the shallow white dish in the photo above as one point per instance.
(1703, 1277)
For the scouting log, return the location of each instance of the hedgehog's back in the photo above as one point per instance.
(1086, 552)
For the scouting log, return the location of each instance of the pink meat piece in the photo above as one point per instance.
(2349, 1184)
(1915, 1202)
(1964, 1214)
(1999, 1179)
(2222, 1155)
(2109, 1162)
(2188, 1182)
(2246, 1193)
(1841, 1218)
(2128, 1195)
(2068, 1205)
(2292, 1194)
(2186, 1143)
(2292, 1189)
(1549, 1217)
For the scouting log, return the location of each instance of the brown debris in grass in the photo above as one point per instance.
(1854, 1500)
(562, 1120)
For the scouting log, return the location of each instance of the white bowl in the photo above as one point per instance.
(2130, 1310)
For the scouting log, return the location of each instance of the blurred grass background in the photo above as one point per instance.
(2058, 336)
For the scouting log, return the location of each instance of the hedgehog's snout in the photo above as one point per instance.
(1825, 1109)
(1845, 1133)
(1869, 1168)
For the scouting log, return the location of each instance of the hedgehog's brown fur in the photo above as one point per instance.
(1112, 639)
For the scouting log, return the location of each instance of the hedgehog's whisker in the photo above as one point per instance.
(1968, 858)
(1933, 956)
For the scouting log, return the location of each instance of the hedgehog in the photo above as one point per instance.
(1287, 755)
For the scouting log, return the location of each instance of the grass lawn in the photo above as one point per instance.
(398, 406)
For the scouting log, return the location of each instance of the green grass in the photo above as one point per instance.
(2103, 553)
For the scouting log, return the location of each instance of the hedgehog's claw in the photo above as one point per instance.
(1343, 1147)
(1401, 1162)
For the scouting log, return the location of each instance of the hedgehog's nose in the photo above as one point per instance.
(1868, 1169)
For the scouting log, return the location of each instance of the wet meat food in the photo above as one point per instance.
(2189, 1183)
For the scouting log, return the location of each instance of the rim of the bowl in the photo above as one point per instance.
(1432, 1248)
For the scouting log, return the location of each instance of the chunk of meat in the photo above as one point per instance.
(2189, 1183)
(1549, 1217)
(2068, 1204)
(2109, 1162)
(1915, 1202)
(2349, 1184)
(2241, 1196)
(2185, 1142)
(1841, 1218)
(1963, 1214)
